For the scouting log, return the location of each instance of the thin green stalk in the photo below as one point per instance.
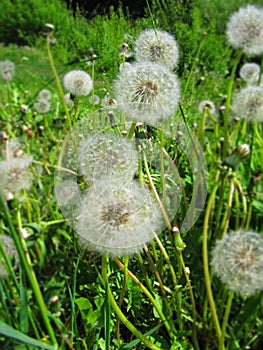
(59, 87)
(206, 263)
(150, 297)
(122, 295)
(228, 103)
(166, 218)
(26, 263)
(194, 312)
(118, 311)
(225, 320)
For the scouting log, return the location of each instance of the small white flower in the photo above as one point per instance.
(147, 92)
(238, 260)
(157, 46)
(78, 83)
(245, 30)
(118, 219)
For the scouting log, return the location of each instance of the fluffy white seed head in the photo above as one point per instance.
(7, 70)
(238, 260)
(147, 92)
(42, 106)
(157, 46)
(44, 95)
(248, 104)
(206, 104)
(78, 83)
(245, 30)
(15, 174)
(117, 218)
(106, 155)
(250, 72)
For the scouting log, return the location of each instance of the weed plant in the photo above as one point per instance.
(118, 231)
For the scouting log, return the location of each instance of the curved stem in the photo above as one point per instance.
(206, 263)
(118, 311)
(149, 296)
(225, 320)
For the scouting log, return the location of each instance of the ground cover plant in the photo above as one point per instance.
(131, 179)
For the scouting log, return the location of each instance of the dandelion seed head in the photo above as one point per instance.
(105, 155)
(248, 104)
(121, 222)
(44, 95)
(250, 72)
(206, 104)
(42, 106)
(78, 83)
(10, 250)
(238, 260)
(7, 70)
(245, 30)
(15, 174)
(67, 193)
(147, 92)
(157, 46)
(68, 100)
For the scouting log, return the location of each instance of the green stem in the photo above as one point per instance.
(26, 263)
(228, 102)
(149, 296)
(225, 320)
(60, 91)
(120, 314)
(206, 262)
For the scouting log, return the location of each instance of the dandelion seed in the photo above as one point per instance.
(44, 95)
(118, 219)
(248, 104)
(78, 83)
(15, 174)
(147, 92)
(7, 70)
(238, 260)
(250, 72)
(10, 250)
(42, 106)
(245, 30)
(157, 46)
(106, 155)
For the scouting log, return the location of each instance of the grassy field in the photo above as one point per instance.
(131, 188)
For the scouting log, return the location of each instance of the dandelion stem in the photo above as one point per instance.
(26, 263)
(228, 101)
(225, 320)
(60, 91)
(118, 311)
(149, 296)
(206, 263)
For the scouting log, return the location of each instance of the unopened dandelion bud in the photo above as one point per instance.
(236, 157)
(178, 242)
